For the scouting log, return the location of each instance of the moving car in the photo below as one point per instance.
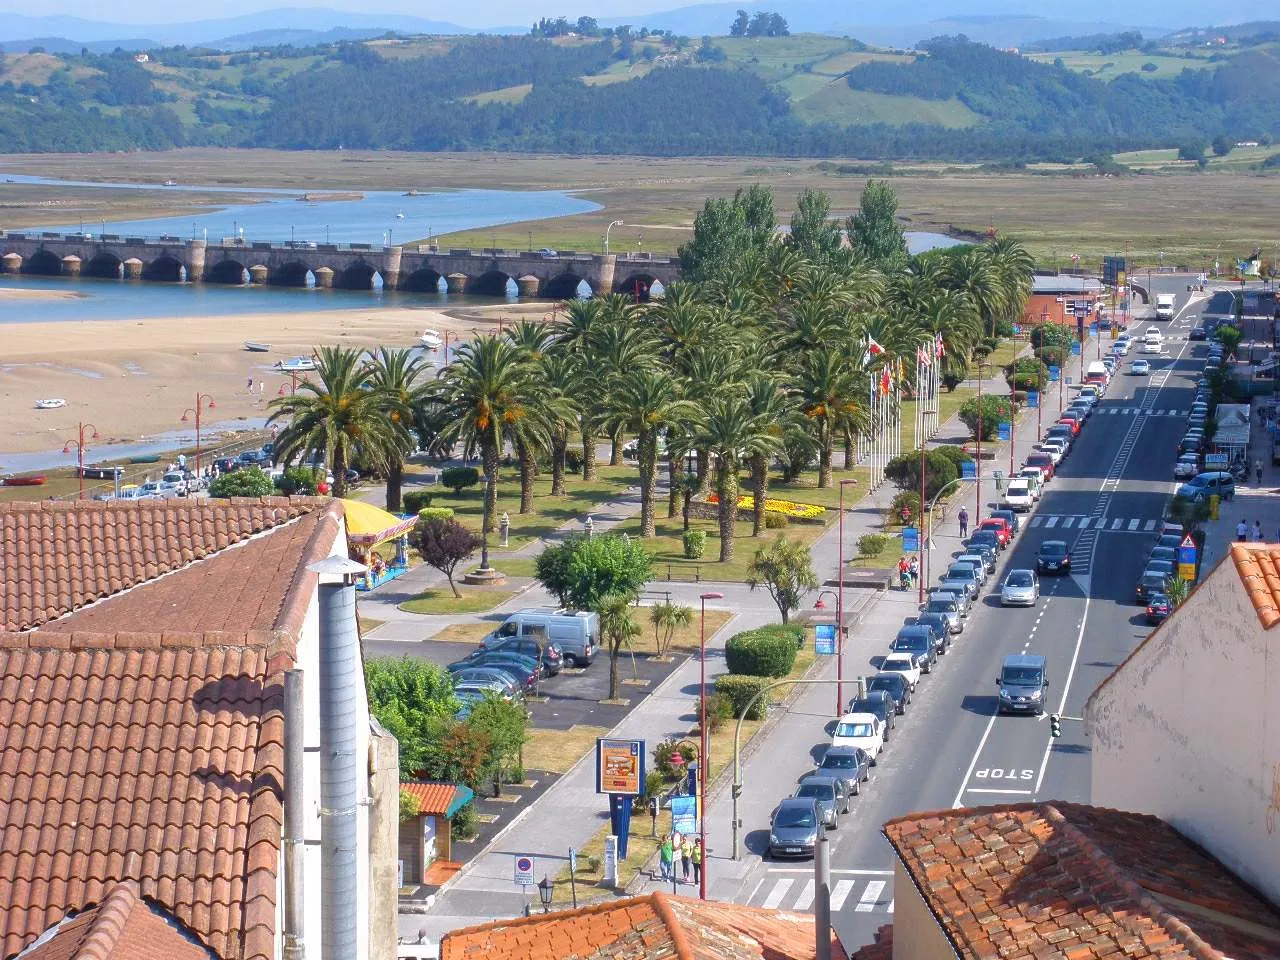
(1054, 556)
(850, 765)
(1159, 607)
(1021, 588)
(892, 685)
(1140, 368)
(1149, 584)
(828, 795)
(860, 730)
(1209, 484)
(903, 663)
(1023, 681)
(793, 828)
(1152, 345)
(1198, 333)
(881, 704)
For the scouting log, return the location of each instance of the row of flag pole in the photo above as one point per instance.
(883, 439)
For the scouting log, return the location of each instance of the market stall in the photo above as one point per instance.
(368, 527)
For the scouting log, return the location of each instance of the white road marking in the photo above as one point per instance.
(1052, 522)
(853, 873)
(839, 893)
(1151, 525)
(994, 790)
(1133, 524)
(867, 903)
(755, 889)
(891, 902)
(805, 899)
(777, 893)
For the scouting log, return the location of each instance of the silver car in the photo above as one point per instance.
(948, 607)
(793, 830)
(1021, 588)
(828, 793)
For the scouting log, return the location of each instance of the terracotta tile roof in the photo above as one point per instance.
(882, 949)
(1259, 567)
(122, 927)
(1074, 882)
(434, 799)
(655, 925)
(58, 557)
(125, 759)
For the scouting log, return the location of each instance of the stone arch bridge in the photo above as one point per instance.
(350, 266)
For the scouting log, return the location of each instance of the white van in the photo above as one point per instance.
(577, 634)
(1164, 306)
(1017, 495)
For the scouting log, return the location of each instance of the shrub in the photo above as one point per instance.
(654, 782)
(462, 825)
(872, 544)
(666, 749)
(249, 482)
(458, 479)
(1018, 396)
(909, 499)
(904, 471)
(435, 513)
(299, 481)
(572, 461)
(775, 521)
(956, 455)
(739, 690)
(994, 411)
(951, 381)
(1027, 373)
(719, 710)
(695, 544)
(415, 500)
(764, 652)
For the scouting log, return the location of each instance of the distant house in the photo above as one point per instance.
(142, 58)
(143, 652)
(1052, 297)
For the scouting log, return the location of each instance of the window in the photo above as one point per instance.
(853, 730)
(792, 817)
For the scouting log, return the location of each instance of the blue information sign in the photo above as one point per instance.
(684, 815)
(910, 539)
(1068, 381)
(1003, 430)
(1075, 349)
(824, 640)
(1033, 398)
(1055, 374)
(1187, 551)
(968, 470)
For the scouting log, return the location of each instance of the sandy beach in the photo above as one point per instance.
(134, 378)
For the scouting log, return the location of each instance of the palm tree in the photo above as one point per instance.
(576, 335)
(621, 347)
(335, 417)
(397, 376)
(730, 432)
(484, 396)
(830, 391)
(559, 375)
(645, 401)
(771, 407)
(976, 274)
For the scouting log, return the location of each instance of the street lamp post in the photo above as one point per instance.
(704, 765)
(616, 223)
(840, 608)
(196, 412)
(920, 539)
(79, 445)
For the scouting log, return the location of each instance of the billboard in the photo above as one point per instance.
(620, 766)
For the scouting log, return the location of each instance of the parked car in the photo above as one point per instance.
(1018, 496)
(1054, 556)
(1071, 421)
(977, 562)
(525, 669)
(860, 730)
(1188, 466)
(892, 685)
(1023, 681)
(793, 828)
(1009, 517)
(850, 765)
(1149, 584)
(1044, 462)
(1054, 447)
(988, 553)
(174, 484)
(959, 597)
(1169, 554)
(904, 663)
(509, 686)
(576, 634)
(828, 795)
(226, 465)
(1036, 478)
(948, 608)
(1001, 529)
(965, 572)
(484, 687)
(1061, 431)
(1198, 333)
(1021, 588)
(548, 654)
(1211, 483)
(921, 640)
(1159, 607)
(1169, 540)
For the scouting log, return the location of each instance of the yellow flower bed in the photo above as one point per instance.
(789, 508)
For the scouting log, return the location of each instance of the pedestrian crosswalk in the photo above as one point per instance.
(1076, 522)
(1136, 411)
(868, 891)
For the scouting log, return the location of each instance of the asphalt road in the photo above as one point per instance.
(952, 750)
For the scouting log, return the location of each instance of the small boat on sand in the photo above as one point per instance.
(24, 481)
(145, 458)
(431, 339)
(52, 403)
(296, 365)
(253, 346)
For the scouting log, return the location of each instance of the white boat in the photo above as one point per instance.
(296, 365)
(52, 403)
(431, 339)
(253, 346)
(171, 183)
(399, 214)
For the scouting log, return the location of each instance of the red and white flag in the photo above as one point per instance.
(938, 349)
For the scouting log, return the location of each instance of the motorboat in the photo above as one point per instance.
(24, 481)
(52, 403)
(399, 214)
(296, 365)
(253, 346)
(171, 183)
(431, 339)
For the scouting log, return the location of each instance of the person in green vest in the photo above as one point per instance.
(686, 857)
(665, 853)
(696, 856)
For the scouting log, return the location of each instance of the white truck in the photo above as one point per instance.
(1164, 306)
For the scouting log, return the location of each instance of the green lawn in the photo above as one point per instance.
(836, 102)
(443, 602)
(1112, 65)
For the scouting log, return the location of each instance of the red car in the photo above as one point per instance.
(999, 527)
(1073, 423)
(1044, 462)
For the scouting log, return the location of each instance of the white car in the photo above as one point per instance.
(1121, 346)
(1151, 345)
(1056, 450)
(1035, 478)
(174, 484)
(1089, 393)
(1140, 368)
(1021, 588)
(1018, 495)
(1090, 399)
(904, 664)
(859, 730)
(1188, 466)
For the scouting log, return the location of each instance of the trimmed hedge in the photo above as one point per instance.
(739, 690)
(695, 544)
(416, 500)
(435, 513)
(458, 479)
(764, 652)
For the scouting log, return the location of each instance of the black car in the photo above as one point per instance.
(1190, 444)
(1150, 583)
(1054, 556)
(226, 464)
(1009, 517)
(920, 640)
(549, 654)
(940, 623)
(1163, 553)
(986, 538)
(1198, 333)
(987, 552)
(851, 765)
(879, 703)
(895, 685)
(1158, 608)
(1169, 540)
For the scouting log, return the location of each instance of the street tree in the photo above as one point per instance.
(398, 377)
(620, 630)
(874, 231)
(444, 543)
(414, 700)
(504, 728)
(248, 482)
(667, 618)
(785, 569)
(551, 567)
(814, 234)
(601, 567)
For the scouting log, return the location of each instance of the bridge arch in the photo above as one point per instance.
(640, 286)
(164, 268)
(291, 274)
(493, 283)
(567, 286)
(43, 263)
(358, 276)
(422, 280)
(105, 265)
(227, 271)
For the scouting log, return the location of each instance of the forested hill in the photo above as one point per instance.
(647, 94)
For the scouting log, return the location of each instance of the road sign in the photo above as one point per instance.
(1187, 559)
(1187, 571)
(1003, 430)
(824, 635)
(1033, 398)
(1075, 348)
(1212, 460)
(619, 766)
(525, 869)
(910, 539)
(573, 860)
(968, 470)
(1188, 541)
(1055, 374)
(684, 814)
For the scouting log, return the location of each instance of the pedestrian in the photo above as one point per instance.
(1257, 532)
(964, 522)
(248, 385)
(686, 858)
(664, 857)
(1242, 531)
(1257, 469)
(697, 861)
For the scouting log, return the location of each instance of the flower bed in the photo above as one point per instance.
(788, 508)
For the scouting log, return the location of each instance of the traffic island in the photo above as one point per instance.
(485, 577)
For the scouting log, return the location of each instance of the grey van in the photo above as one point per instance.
(1023, 683)
(577, 634)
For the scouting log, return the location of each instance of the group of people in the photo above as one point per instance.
(908, 570)
(680, 851)
(1244, 534)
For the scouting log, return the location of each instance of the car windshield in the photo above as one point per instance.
(896, 663)
(1053, 548)
(1020, 578)
(853, 730)
(1164, 553)
(1156, 580)
(890, 684)
(1021, 675)
(941, 606)
(1038, 459)
(816, 791)
(794, 817)
(838, 762)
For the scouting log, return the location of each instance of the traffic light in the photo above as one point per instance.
(1055, 725)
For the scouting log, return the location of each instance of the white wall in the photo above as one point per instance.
(1189, 730)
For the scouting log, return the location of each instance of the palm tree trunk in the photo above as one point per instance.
(759, 483)
(490, 457)
(615, 449)
(727, 512)
(703, 472)
(528, 470)
(848, 449)
(559, 444)
(824, 459)
(395, 481)
(339, 472)
(673, 488)
(647, 456)
(614, 652)
(589, 471)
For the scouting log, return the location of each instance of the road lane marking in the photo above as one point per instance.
(870, 896)
(805, 900)
(973, 762)
(994, 790)
(1151, 525)
(755, 890)
(840, 893)
(1133, 524)
(808, 871)
(1052, 522)
(777, 893)
(891, 902)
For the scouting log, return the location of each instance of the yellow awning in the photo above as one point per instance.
(368, 525)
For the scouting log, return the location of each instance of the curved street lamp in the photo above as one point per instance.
(704, 765)
(195, 412)
(616, 223)
(79, 445)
